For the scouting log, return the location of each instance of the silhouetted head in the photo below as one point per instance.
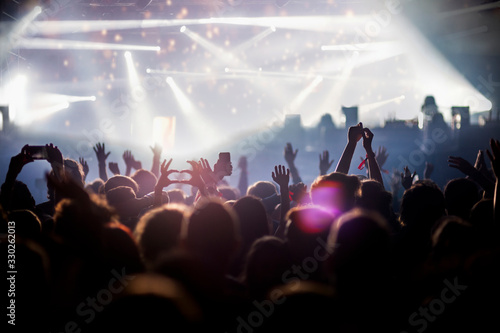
(21, 197)
(27, 224)
(359, 241)
(335, 192)
(266, 261)
(307, 231)
(429, 101)
(461, 195)
(453, 237)
(95, 186)
(159, 231)
(211, 233)
(252, 219)
(228, 193)
(146, 180)
(176, 195)
(422, 205)
(120, 180)
(119, 195)
(373, 196)
(262, 189)
(481, 215)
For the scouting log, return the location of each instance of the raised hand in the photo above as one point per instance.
(85, 167)
(298, 192)
(155, 167)
(324, 163)
(381, 156)
(462, 165)
(156, 149)
(290, 154)
(130, 162)
(494, 157)
(395, 182)
(113, 167)
(429, 168)
(18, 161)
(280, 176)
(100, 152)
(164, 181)
(196, 179)
(367, 140)
(355, 133)
(481, 166)
(407, 177)
(55, 158)
(54, 155)
(208, 176)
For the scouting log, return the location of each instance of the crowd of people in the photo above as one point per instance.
(134, 252)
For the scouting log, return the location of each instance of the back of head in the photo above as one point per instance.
(481, 215)
(262, 189)
(307, 231)
(267, 260)
(453, 237)
(211, 232)
(359, 241)
(95, 186)
(21, 197)
(461, 194)
(74, 169)
(252, 219)
(228, 192)
(146, 180)
(158, 231)
(28, 225)
(120, 180)
(421, 206)
(176, 195)
(119, 195)
(335, 192)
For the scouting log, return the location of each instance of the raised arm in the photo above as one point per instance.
(155, 167)
(101, 155)
(354, 134)
(373, 168)
(494, 156)
(282, 178)
(324, 163)
(290, 156)
(243, 180)
(468, 169)
(163, 181)
(130, 162)
(85, 168)
(17, 163)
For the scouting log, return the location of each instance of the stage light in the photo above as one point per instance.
(183, 28)
(64, 44)
(127, 54)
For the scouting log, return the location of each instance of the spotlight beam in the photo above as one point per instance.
(245, 45)
(60, 44)
(11, 40)
(469, 10)
(307, 23)
(219, 53)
